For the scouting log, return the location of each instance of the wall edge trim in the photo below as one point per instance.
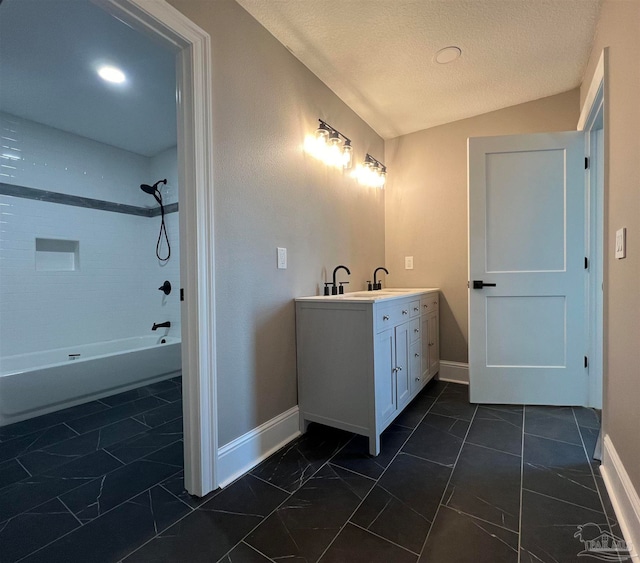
(624, 496)
(454, 372)
(245, 452)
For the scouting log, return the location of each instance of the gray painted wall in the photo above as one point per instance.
(619, 29)
(426, 204)
(268, 193)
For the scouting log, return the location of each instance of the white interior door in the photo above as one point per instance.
(527, 334)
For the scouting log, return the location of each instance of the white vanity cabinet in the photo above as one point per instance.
(362, 357)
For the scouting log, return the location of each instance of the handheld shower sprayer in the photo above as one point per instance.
(155, 192)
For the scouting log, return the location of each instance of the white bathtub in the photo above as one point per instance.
(42, 382)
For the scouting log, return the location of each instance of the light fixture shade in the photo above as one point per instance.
(322, 134)
(347, 155)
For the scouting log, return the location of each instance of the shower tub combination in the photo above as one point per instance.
(43, 382)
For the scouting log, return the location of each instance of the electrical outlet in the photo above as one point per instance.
(621, 243)
(408, 262)
(282, 258)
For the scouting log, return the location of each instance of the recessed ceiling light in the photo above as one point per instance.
(111, 74)
(447, 55)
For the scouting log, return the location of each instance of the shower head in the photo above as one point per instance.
(151, 190)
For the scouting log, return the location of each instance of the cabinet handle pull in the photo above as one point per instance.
(394, 370)
(416, 309)
(385, 317)
(417, 379)
(416, 355)
(405, 312)
(416, 330)
(426, 306)
(399, 368)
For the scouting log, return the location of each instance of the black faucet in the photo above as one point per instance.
(377, 284)
(334, 289)
(166, 324)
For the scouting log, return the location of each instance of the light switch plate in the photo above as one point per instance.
(408, 262)
(621, 243)
(282, 258)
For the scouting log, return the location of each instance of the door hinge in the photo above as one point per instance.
(586, 263)
(586, 163)
(586, 362)
(181, 294)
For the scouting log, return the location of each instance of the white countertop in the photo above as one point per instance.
(388, 293)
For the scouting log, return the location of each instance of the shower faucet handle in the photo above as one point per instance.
(166, 287)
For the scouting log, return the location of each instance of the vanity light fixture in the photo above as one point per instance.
(371, 172)
(330, 146)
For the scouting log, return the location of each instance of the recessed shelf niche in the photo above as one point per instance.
(54, 255)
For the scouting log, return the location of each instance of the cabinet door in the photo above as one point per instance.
(403, 381)
(385, 375)
(434, 344)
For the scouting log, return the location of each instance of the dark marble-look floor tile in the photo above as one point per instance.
(486, 484)
(392, 519)
(589, 437)
(175, 485)
(212, 530)
(11, 472)
(588, 418)
(165, 385)
(111, 415)
(497, 429)
(36, 490)
(356, 545)
(355, 455)
(437, 438)
(556, 423)
(460, 538)
(411, 416)
(304, 525)
(160, 415)
(454, 402)
(606, 503)
(127, 396)
(33, 529)
(549, 528)
(418, 483)
(148, 442)
(244, 553)
(93, 499)
(291, 466)
(63, 452)
(172, 395)
(48, 420)
(559, 470)
(112, 536)
(25, 444)
(434, 388)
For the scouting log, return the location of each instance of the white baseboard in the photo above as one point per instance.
(623, 494)
(455, 372)
(245, 452)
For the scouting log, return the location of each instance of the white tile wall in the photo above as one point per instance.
(114, 292)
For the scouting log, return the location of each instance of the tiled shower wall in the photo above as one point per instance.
(113, 293)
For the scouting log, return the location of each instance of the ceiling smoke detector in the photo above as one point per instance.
(447, 55)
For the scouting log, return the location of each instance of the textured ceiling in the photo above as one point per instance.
(49, 50)
(377, 55)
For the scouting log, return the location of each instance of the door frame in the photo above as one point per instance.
(162, 22)
(593, 119)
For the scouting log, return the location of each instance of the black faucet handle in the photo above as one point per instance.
(369, 286)
(326, 288)
(341, 288)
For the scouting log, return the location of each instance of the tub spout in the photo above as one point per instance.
(166, 324)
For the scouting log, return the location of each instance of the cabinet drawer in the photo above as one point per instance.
(429, 303)
(414, 308)
(414, 329)
(392, 315)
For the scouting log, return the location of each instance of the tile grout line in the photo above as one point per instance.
(444, 492)
(70, 512)
(23, 467)
(380, 477)
(524, 416)
(383, 538)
